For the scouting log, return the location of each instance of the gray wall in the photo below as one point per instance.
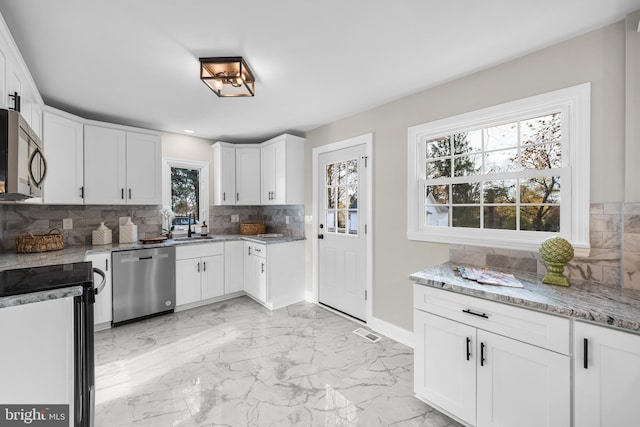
(597, 57)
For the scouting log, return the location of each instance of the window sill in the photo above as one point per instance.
(493, 239)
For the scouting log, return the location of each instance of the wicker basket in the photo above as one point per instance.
(252, 227)
(27, 242)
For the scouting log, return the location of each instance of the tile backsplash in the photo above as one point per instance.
(614, 258)
(39, 219)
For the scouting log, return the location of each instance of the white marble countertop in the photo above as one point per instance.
(608, 305)
(32, 297)
(10, 260)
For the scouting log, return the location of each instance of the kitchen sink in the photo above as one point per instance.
(188, 239)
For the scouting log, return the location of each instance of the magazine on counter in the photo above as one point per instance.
(490, 277)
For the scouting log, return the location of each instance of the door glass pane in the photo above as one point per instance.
(331, 221)
(342, 197)
(353, 222)
(331, 198)
(352, 172)
(332, 174)
(342, 221)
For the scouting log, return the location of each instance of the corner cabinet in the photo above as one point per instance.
(274, 274)
(236, 174)
(282, 168)
(270, 173)
(121, 167)
(606, 376)
(489, 364)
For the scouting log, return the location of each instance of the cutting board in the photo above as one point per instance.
(153, 239)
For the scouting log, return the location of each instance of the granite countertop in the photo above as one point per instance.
(11, 260)
(608, 305)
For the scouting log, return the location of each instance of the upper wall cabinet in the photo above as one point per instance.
(121, 167)
(64, 150)
(271, 173)
(282, 166)
(16, 78)
(236, 171)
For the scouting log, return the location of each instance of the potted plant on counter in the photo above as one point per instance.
(167, 216)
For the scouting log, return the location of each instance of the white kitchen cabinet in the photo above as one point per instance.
(282, 169)
(606, 376)
(224, 167)
(274, 274)
(102, 314)
(144, 169)
(236, 174)
(105, 165)
(63, 141)
(233, 266)
(199, 273)
(255, 271)
(247, 176)
(489, 364)
(37, 357)
(445, 364)
(121, 167)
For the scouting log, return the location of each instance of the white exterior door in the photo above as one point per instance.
(342, 231)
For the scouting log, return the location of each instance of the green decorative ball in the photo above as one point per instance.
(556, 250)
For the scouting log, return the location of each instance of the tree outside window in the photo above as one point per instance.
(185, 192)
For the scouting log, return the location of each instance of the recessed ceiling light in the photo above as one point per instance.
(189, 131)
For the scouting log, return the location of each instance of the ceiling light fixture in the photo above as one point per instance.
(227, 76)
(189, 131)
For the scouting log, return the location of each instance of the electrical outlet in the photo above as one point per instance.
(235, 218)
(286, 219)
(67, 224)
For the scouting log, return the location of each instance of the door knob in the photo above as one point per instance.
(320, 236)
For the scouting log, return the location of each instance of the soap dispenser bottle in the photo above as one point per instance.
(204, 229)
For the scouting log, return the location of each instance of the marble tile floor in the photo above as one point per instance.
(235, 363)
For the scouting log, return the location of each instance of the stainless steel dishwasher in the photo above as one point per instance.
(144, 283)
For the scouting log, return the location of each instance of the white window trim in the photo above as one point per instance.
(576, 102)
(167, 164)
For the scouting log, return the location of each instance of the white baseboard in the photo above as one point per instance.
(392, 331)
(309, 297)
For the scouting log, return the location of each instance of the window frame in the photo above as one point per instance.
(203, 167)
(575, 106)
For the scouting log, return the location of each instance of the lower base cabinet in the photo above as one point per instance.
(102, 314)
(274, 274)
(483, 378)
(199, 272)
(606, 376)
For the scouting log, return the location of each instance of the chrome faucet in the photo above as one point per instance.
(189, 232)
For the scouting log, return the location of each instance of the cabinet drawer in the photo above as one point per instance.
(257, 249)
(199, 250)
(543, 330)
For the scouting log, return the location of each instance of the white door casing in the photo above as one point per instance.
(341, 241)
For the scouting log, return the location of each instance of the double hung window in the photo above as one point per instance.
(506, 176)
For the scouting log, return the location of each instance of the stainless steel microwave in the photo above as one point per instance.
(22, 163)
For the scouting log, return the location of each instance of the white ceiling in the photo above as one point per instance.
(135, 62)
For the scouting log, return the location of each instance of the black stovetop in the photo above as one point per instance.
(27, 280)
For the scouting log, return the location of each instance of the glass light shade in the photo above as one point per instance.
(227, 76)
